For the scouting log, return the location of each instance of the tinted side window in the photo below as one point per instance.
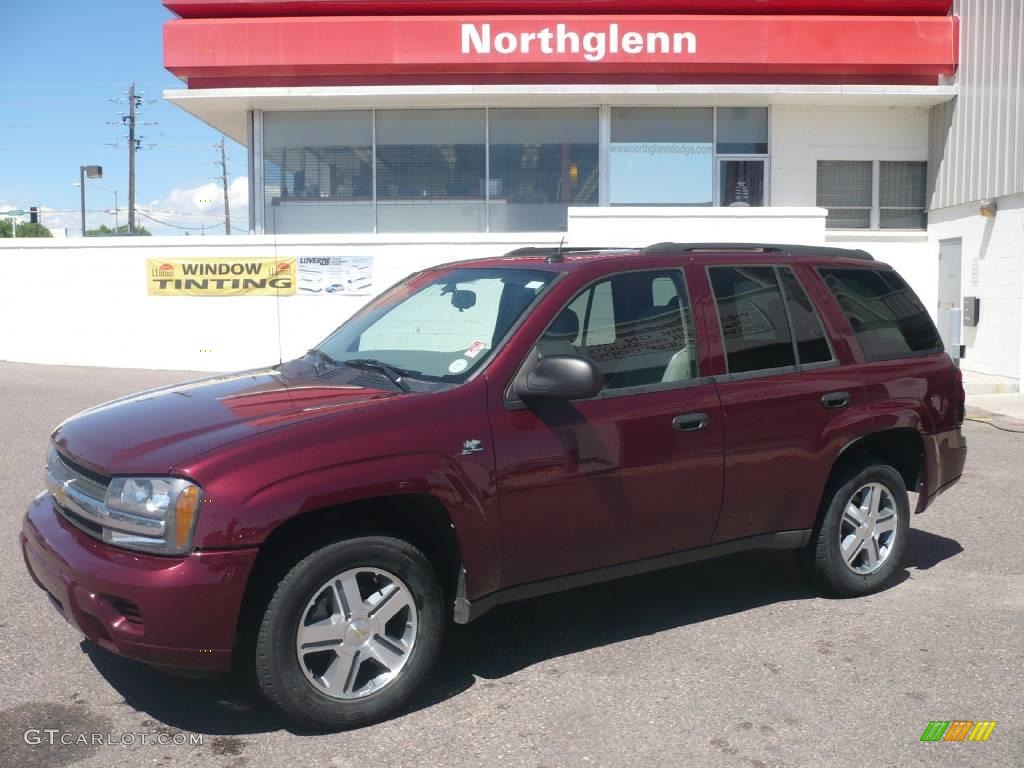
(811, 344)
(888, 318)
(753, 318)
(637, 327)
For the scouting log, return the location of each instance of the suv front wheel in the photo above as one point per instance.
(350, 633)
(863, 534)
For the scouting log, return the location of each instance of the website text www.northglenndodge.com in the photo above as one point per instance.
(591, 46)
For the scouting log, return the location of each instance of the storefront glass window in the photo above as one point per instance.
(317, 172)
(662, 156)
(520, 170)
(430, 170)
(742, 130)
(542, 162)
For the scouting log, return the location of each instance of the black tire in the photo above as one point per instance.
(278, 672)
(824, 558)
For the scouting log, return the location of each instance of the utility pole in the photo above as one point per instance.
(131, 159)
(134, 144)
(224, 178)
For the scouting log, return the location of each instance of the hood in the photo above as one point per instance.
(151, 432)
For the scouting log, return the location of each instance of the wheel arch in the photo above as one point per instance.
(421, 519)
(902, 448)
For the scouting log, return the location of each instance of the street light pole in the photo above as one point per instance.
(92, 172)
(81, 186)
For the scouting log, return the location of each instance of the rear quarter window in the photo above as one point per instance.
(752, 316)
(889, 319)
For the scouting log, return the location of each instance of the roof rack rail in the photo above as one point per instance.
(788, 250)
(553, 250)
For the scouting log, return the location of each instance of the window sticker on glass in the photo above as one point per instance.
(475, 349)
(458, 366)
(535, 285)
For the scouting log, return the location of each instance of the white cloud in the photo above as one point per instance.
(198, 207)
(182, 210)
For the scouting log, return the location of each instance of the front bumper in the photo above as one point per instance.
(179, 612)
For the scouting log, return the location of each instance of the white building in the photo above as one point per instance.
(421, 131)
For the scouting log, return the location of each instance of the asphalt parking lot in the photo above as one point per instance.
(735, 662)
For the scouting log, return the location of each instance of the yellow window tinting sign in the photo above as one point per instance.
(221, 277)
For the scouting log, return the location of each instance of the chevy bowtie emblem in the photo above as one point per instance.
(472, 446)
(61, 494)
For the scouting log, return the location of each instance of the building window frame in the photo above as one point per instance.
(763, 159)
(875, 212)
(766, 158)
(604, 117)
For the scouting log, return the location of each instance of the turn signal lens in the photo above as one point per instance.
(185, 513)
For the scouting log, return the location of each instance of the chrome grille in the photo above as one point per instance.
(88, 483)
(80, 499)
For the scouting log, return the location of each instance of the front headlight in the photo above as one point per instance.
(148, 514)
(135, 504)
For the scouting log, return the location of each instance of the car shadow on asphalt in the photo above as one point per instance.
(515, 636)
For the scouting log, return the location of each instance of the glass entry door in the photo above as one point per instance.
(741, 182)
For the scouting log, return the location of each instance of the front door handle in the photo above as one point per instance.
(690, 422)
(836, 400)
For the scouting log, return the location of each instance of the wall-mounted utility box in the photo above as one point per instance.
(972, 307)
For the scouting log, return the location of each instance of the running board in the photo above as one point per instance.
(467, 611)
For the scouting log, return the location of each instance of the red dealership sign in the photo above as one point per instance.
(287, 50)
(239, 8)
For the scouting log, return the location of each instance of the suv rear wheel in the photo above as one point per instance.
(863, 533)
(350, 633)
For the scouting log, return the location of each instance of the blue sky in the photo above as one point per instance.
(63, 60)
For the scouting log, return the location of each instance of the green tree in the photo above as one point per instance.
(104, 231)
(25, 229)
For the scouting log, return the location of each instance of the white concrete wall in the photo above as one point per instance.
(993, 270)
(84, 302)
(628, 226)
(803, 135)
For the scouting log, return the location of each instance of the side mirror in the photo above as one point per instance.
(563, 377)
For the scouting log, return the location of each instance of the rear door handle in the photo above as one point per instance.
(690, 422)
(836, 400)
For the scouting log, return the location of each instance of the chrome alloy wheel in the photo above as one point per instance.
(867, 531)
(357, 633)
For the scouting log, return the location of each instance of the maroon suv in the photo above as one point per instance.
(491, 430)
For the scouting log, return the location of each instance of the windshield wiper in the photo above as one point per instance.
(395, 375)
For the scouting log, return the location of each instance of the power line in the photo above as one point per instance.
(29, 84)
(110, 209)
(177, 226)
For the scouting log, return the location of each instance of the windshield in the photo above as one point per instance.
(441, 325)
